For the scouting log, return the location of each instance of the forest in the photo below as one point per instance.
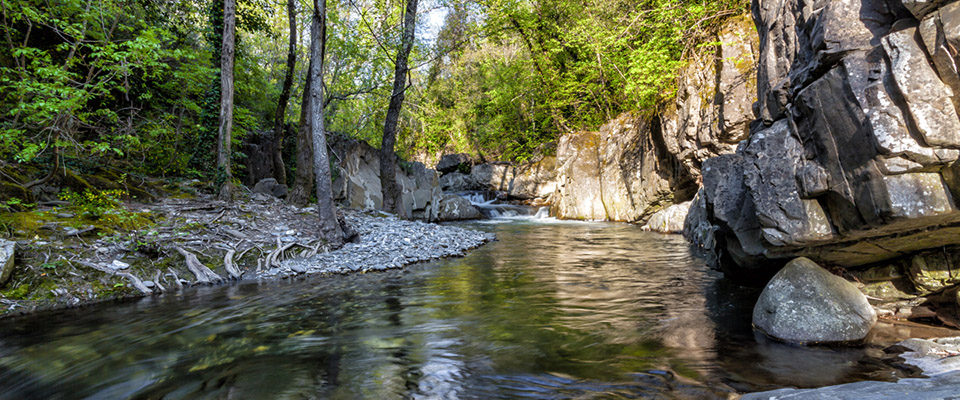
(136, 85)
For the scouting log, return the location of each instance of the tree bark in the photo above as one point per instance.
(326, 210)
(388, 158)
(279, 170)
(303, 184)
(224, 175)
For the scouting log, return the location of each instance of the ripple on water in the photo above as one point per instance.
(551, 310)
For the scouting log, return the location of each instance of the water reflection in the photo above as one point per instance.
(549, 311)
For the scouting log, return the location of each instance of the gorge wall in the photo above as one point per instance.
(853, 160)
(639, 164)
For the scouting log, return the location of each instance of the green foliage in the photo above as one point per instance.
(543, 68)
(94, 204)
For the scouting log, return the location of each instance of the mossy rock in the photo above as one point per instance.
(10, 190)
(72, 181)
(102, 183)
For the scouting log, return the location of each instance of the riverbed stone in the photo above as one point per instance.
(7, 255)
(805, 303)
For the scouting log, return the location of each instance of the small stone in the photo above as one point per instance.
(149, 284)
(117, 264)
(65, 215)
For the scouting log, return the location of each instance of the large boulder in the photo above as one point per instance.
(7, 249)
(456, 208)
(805, 303)
(270, 187)
(453, 162)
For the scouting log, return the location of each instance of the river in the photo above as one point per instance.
(550, 310)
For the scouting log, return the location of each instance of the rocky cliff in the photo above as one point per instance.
(853, 160)
(637, 165)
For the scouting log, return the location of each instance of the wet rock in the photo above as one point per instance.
(270, 187)
(453, 162)
(804, 303)
(456, 208)
(7, 256)
(933, 356)
(669, 220)
(943, 386)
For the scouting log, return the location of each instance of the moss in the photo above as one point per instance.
(16, 293)
(101, 183)
(10, 190)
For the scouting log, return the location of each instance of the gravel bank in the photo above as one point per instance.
(385, 242)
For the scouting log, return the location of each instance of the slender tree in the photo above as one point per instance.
(327, 211)
(388, 158)
(224, 176)
(279, 170)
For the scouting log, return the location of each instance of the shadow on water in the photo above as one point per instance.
(551, 310)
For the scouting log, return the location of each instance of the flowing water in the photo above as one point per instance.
(552, 310)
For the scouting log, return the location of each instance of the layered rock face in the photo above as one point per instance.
(638, 165)
(356, 184)
(853, 161)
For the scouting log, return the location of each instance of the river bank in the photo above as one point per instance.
(67, 258)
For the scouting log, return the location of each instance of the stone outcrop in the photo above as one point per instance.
(853, 161)
(356, 184)
(530, 181)
(804, 303)
(7, 255)
(637, 165)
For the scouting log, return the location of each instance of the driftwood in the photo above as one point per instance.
(156, 281)
(232, 269)
(136, 282)
(176, 279)
(204, 275)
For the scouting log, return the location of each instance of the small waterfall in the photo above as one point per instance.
(493, 210)
(543, 212)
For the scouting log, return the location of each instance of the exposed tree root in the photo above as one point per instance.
(204, 275)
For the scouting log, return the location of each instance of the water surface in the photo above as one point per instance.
(551, 310)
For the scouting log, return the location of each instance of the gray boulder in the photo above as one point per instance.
(7, 249)
(270, 187)
(456, 208)
(804, 303)
(453, 162)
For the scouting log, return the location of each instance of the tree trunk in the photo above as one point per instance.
(279, 170)
(329, 227)
(303, 184)
(388, 159)
(224, 176)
